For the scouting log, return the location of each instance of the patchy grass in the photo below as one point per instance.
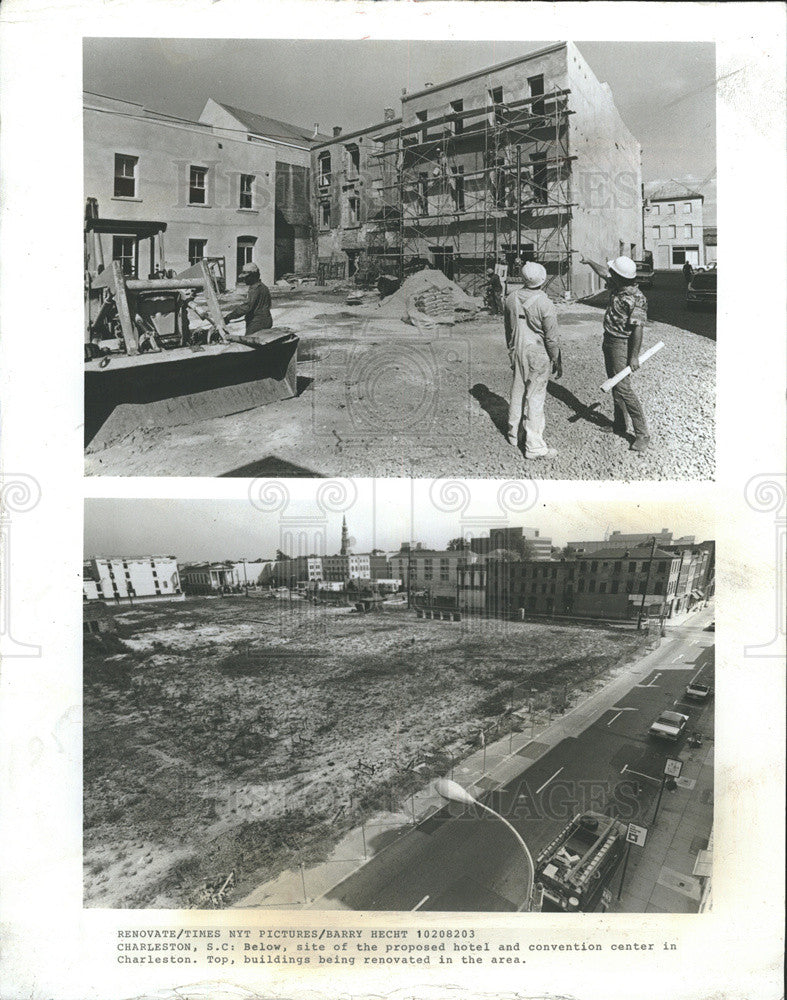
(232, 736)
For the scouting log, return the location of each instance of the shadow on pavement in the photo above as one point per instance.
(494, 405)
(582, 411)
(270, 466)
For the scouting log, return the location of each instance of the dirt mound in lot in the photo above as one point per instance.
(429, 287)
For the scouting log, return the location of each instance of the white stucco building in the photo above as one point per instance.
(674, 228)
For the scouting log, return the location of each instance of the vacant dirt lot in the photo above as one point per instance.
(241, 736)
(378, 398)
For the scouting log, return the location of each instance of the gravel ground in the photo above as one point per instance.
(378, 399)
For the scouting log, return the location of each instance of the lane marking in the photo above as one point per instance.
(652, 683)
(419, 905)
(616, 717)
(626, 708)
(541, 789)
(639, 774)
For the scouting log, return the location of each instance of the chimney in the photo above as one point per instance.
(337, 130)
(388, 114)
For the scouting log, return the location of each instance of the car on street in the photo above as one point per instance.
(701, 290)
(669, 726)
(711, 627)
(697, 692)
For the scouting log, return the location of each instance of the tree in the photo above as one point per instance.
(457, 545)
(280, 556)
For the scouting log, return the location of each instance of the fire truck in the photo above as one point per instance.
(575, 868)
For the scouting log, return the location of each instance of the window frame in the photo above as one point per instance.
(194, 171)
(134, 178)
(193, 259)
(244, 193)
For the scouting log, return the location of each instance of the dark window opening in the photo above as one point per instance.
(457, 107)
(197, 250)
(246, 190)
(539, 171)
(125, 176)
(198, 185)
(536, 85)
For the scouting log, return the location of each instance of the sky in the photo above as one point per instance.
(664, 91)
(380, 514)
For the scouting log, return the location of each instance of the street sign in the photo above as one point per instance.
(636, 835)
(673, 767)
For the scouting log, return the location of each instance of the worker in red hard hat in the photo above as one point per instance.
(256, 310)
(624, 321)
(534, 350)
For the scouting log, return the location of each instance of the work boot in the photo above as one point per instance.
(640, 443)
(549, 453)
(613, 429)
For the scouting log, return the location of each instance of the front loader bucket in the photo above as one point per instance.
(186, 384)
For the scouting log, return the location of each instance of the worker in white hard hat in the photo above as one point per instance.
(256, 310)
(624, 321)
(531, 331)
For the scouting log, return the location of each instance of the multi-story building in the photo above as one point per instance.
(232, 186)
(608, 584)
(528, 159)
(621, 540)
(527, 541)
(674, 231)
(207, 578)
(124, 581)
(430, 569)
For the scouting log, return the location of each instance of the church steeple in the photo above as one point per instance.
(345, 538)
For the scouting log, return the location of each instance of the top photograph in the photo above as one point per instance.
(323, 258)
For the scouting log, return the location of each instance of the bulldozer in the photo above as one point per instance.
(158, 352)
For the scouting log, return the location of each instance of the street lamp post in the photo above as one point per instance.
(453, 792)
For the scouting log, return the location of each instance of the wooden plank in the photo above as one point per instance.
(128, 329)
(212, 300)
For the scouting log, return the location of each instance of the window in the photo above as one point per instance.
(457, 107)
(688, 231)
(325, 215)
(616, 568)
(422, 116)
(459, 188)
(687, 208)
(539, 168)
(632, 567)
(246, 190)
(353, 161)
(423, 193)
(496, 95)
(581, 587)
(592, 586)
(324, 169)
(536, 85)
(633, 250)
(594, 566)
(353, 210)
(621, 247)
(602, 588)
(613, 588)
(198, 177)
(661, 567)
(124, 250)
(197, 250)
(657, 232)
(125, 176)
(244, 251)
(656, 209)
(670, 232)
(671, 209)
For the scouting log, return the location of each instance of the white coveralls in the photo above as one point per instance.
(531, 336)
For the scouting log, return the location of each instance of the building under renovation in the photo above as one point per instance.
(526, 160)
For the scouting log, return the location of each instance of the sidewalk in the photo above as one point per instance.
(481, 772)
(660, 876)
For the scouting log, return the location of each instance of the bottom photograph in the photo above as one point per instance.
(340, 696)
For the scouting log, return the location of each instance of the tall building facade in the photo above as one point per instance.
(528, 159)
(232, 187)
(674, 229)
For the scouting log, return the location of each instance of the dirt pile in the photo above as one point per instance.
(429, 295)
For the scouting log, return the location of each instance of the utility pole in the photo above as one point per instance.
(647, 583)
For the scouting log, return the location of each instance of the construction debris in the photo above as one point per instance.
(428, 298)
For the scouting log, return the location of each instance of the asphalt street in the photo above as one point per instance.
(464, 860)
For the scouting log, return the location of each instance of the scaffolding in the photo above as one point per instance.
(474, 188)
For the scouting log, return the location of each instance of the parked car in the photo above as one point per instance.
(697, 692)
(702, 289)
(711, 627)
(644, 273)
(669, 726)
